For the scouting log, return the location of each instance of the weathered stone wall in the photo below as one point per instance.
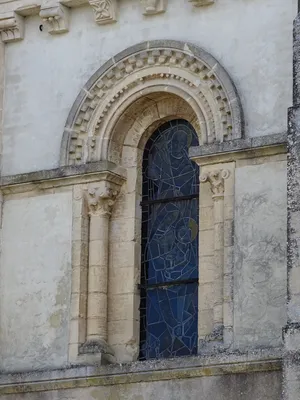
(44, 73)
(35, 281)
(260, 255)
(70, 239)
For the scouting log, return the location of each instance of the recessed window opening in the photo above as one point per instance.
(170, 218)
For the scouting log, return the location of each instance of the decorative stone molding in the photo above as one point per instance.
(100, 201)
(182, 68)
(216, 180)
(105, 11)
(11, 27)
(152, 7)
(200, 3)
(56, 18)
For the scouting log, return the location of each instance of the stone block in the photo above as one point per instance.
(124, 254)
(206, 243)
(205, 322)
(123, 307)
(123, 280)
(207, 270)
(123, 331)
(125, 229)
(206, 296)
(96, 255)
(206, 218)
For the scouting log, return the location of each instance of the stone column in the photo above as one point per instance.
(291, 332)
(216, 180)
(100, 201)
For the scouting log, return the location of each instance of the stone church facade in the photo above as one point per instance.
(150, 191)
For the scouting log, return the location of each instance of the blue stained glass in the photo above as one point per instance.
(171, 321)
(171, 251)
(169, 290)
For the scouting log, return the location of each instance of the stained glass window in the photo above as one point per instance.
(169, 281)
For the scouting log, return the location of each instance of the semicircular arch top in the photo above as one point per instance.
(149, 67)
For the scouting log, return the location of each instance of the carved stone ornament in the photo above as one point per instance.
(11, 27)
(56, 18)
(200, 3)
(152, 7)
(216, 179)
(101, 200)
(105, 11)
(180, 68)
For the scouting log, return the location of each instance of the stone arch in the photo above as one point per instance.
(194, 84)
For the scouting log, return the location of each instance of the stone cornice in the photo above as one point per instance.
(267, 360)
(56, 16)
(64, 176)
(239, 148)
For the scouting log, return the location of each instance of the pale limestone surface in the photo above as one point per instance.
(255, 386)
(44, 73)
(260, 255)
(35, 282)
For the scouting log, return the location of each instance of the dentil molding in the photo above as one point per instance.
(56, 15)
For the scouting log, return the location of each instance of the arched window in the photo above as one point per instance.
(169, 281)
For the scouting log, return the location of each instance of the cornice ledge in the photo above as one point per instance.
(267, 360)
(11, 27)
(237, 148)
(63, 176)
(56, 17)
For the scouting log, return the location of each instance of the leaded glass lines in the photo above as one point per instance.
(169, 283)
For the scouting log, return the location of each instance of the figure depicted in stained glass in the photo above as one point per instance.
(169, 293)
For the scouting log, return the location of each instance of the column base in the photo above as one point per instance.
(96, 346)
(212, 342)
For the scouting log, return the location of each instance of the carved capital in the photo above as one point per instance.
(200, 3)
(11, 27)
(56, 18)
(101, 200)
(216, 179)
(105, 11)
(152, 7)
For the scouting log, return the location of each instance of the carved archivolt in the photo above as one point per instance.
(168, 67)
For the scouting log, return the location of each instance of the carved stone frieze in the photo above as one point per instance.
(101, 200)
(56, 18)
(200, 3)
(152, 7)
(11, 27)
(216, 179)
(105, 11)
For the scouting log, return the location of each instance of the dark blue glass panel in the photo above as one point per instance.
(171, 248)
(168, 171)
(169, 281)
(171, 322)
